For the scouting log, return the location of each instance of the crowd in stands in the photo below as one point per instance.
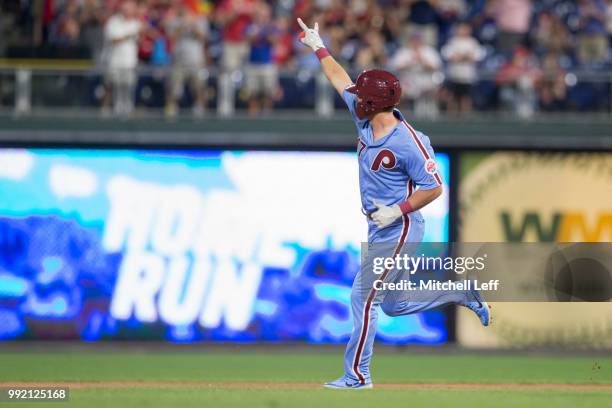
(440, 49)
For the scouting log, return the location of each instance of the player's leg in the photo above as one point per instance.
(405, 302)
(365, 300)
(359, 347)
(400, 303)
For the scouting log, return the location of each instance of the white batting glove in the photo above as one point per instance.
(385, 215)
(310, 36)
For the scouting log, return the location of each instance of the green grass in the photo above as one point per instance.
(186, 398)
(311, 366)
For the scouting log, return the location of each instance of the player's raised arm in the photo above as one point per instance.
(332, 70)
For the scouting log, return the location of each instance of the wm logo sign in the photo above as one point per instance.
(557, 227)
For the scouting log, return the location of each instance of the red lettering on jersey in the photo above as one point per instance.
(385, 158)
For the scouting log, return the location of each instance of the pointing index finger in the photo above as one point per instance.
(301, 23)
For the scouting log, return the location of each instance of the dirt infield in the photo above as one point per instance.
(303, 385)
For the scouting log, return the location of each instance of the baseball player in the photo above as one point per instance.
(397, 177)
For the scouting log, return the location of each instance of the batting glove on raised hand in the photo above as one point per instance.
(310, 36)
(385, 215)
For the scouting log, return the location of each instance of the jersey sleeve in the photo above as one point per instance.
(351, 101)
(420, 162)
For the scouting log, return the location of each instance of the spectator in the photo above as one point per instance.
(462, 53)
(417, 63)
(283, 47)
(609, 22)
(121, 34)
(372, 52)
(66, 30)
(592, 37)
(517, 80)
(3, 30)
(482, 18)
(360, 33)
(552, 91)
(341, 24)
(262, 75)
(393, 23)
(235, 16)
(152, 44)
(424, 19)
(187, 32)
(551, 35)
(452, 10)
(512, 18)
(92, 18)
(449, 12)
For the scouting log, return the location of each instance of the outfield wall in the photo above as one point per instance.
(89, 245)
(565, 132)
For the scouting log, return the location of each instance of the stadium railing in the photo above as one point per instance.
(27, 88)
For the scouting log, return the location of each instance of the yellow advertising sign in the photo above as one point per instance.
(537, 197)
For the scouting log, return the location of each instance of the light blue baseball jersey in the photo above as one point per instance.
(392, 167)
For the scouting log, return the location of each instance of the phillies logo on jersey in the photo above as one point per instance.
(430, 166)
(385, 158)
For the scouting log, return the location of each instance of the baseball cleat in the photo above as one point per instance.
(345, 383)
(478, 305)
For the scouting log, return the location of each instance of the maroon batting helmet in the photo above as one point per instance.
(377, 90)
